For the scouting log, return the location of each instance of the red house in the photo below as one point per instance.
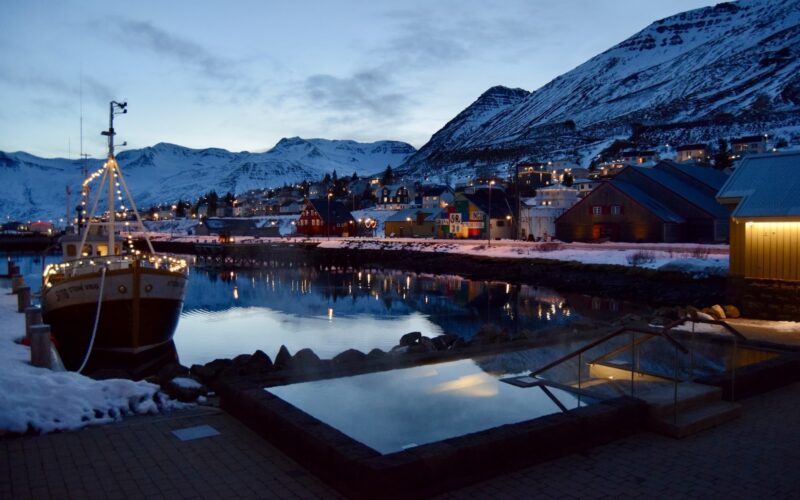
(325, 217)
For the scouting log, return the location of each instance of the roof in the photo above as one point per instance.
(338, 211)
(692, 194)
(645, 200)
(710, 177)
(480, 198)
(691, 147)
(401, 215)
(767, 184)
(638, 153)
(432, 190)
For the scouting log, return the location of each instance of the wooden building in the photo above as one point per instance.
(325, 217)
(467, 216)
(764, 197)
(751, 144)
(665, 203)
(692, 152)
(412, 222)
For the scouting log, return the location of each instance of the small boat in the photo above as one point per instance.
(104, 297)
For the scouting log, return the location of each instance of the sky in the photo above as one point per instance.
(242, 74)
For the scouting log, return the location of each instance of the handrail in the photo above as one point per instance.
(606, 338)
(733, 331)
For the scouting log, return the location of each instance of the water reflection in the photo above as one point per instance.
(229, 313)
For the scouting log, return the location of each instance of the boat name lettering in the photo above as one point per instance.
(62, 295)
(91, 286)
(76, 288)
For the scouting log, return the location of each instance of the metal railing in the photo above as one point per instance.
(727, 328)
(679, 348)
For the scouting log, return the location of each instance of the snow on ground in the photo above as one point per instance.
(700, 260)
(42, 400)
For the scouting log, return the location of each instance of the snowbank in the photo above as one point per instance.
(42, 400)
(699, 260)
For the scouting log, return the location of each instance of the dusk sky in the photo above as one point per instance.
(240, 75)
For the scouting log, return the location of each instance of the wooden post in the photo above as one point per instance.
(16, 282)
(40, 346)
(33, 317)
(23, 298)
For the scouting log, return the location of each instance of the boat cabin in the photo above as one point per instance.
(96, 244)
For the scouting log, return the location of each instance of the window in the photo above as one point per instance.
(616, 210)
(597, 210)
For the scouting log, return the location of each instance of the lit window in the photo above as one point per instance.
(616, 210)
(597, 210)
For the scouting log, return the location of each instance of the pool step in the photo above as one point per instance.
(695, 420)
(696, 408)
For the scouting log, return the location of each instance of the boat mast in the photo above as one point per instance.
(111, 164)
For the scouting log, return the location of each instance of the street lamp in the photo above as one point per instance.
(328, 222)
(489, 218)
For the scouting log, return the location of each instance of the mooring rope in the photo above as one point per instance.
(96, 320)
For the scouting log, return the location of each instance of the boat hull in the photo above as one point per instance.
(139, 311)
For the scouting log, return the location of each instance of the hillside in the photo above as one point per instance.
(721, 71)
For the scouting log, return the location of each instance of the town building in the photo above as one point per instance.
(325, 217)
(394, 197)
(467, 216)
(434, 196)
(236, 226)
(763, 195)
(669, 202)
(692, 152)
(413, 222)
(538, 215)
(639, 158)
(751, 144)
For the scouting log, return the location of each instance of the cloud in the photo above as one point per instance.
(368, 92)
(58, 89)
(146, 34)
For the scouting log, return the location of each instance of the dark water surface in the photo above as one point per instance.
(228, 313)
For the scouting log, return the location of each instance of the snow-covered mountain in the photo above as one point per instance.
(721, 71)
(32, 187)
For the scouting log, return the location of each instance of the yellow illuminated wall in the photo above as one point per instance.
(769, 250)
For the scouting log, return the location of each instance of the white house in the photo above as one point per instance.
(539, 214)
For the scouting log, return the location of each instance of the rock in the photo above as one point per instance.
(241, 360)
(283, 358)
(692, 311)
(719, 311)
(458, 343)
(428, 343)
(305, 359)
(732, 311)
(488, 334)
(350, 356)
(259, 362)
(421, 348)
(443, 342)
(375, 354)
(210, 371)
(170, 371)
(184, 389)
(711, 312)
(410, 338)
(702, 315)
(399, 349)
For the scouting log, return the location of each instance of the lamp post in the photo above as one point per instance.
(489, 218)
(328, 222)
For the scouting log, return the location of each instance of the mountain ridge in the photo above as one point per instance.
(33, 187)
(725, 70)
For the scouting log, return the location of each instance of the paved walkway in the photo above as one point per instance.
(141, 458)
(756, 456)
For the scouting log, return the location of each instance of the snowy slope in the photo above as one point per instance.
(713, 72)
(32, 187)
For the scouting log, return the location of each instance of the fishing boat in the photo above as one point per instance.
(105, 296)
